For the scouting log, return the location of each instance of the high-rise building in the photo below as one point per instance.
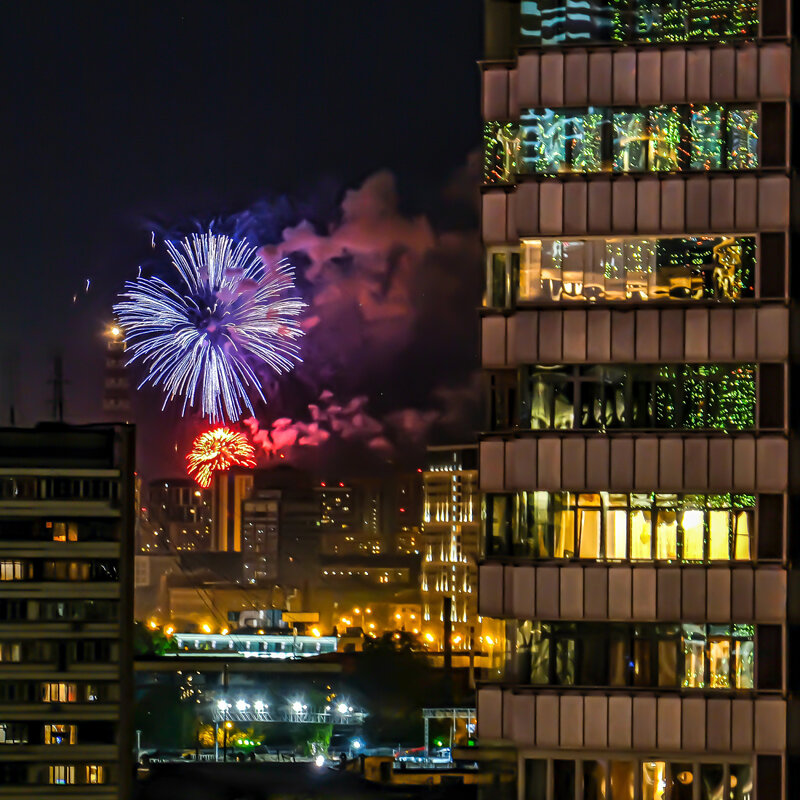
(635, 337)
(66, 610)
(450, 540)
(179, 516)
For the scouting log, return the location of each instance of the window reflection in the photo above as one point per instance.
(547, 22)
(638, 396)
(654, 780)
(649, 655)
(544, 270)
(664, 138)
(608, 526)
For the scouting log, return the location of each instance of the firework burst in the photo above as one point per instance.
(218, 450)
(201, 338)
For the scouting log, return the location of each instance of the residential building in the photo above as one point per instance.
(635, 339)
(66, 611)
(179, 516)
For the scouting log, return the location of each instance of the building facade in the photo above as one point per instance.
(636, 345)
(179, 516)
(66, 610)
(450, 539)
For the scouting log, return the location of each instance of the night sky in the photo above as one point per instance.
(120, 119)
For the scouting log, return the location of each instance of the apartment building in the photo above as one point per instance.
(66, 609)
(636, 215)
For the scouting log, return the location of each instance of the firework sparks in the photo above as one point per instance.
(201, 338)
(218, 450)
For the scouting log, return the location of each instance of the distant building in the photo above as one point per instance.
(179, 516)
(116, 387)
(66, 607)
(451, 540)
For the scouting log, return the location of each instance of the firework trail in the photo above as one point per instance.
(218, 450)
(201, 338)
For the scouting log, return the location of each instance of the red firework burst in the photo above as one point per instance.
(218, 450)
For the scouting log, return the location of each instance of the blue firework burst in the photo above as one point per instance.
(226, 313)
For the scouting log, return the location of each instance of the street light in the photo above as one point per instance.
(297, 706)
(342, 708)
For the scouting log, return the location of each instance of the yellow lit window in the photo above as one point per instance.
(654, 780)
(741, 535)
(719, 548)
(11, 570)
(641, 535)
(64, 531)
(95, 774)
(59, 692)
(693, 534)
(60, 734)
(719, 663)
(667, 535)
(62, 774)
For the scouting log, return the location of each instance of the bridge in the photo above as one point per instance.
(297, 712)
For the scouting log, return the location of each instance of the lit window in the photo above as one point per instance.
(64, 531)
(59, 692)
(60, 734)
(11, 570)
(95, 774)
(62, 774)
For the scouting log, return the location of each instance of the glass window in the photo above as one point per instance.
(719, 534)
(743, 524)
(742, 138)
(594, 780)
(501, 152)
(712, 781)
(694, 653)
(95, 774)
(530, 269)
(62, 774)
(59, 692)
(719, 657)
(706, 137)
(682, 782)
(694, 534)
(668, 661)
(60, 734)
(11, 570)
(654, 780)
(667, 535)
(622, 780)
(741, 781)
(743, 657)
(589, 526)
(64, 531)
(617, 528)
(618, 660)
(664, 145)
(540, 654)
(642, 660)
(536, 779)
(565, 661)
(563, 778)
(630, 141)
(586, 141)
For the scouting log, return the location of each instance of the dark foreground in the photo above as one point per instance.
(273, 782)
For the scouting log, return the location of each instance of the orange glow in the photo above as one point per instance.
(218, 450)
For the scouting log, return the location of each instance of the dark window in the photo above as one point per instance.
(772, 265)
(770, 657)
